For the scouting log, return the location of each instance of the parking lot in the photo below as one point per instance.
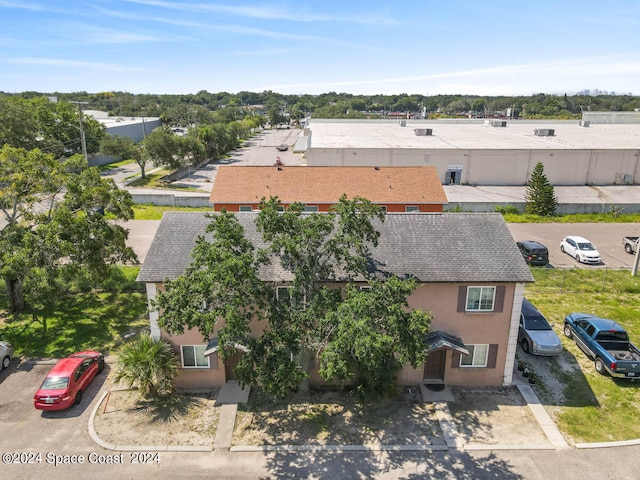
(607, 238)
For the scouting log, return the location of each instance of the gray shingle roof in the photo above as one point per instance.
(448, 247)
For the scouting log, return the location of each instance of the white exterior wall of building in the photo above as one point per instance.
(499, 166)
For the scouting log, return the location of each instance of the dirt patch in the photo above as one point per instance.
(492, 416)
(184, 420)
(335, 418)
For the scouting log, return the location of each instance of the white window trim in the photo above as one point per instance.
(384, 208)
(480, 309)
(310, 209)
(364, 288)
(414, 208)
(243, 208)
(194, 356)
(473, 356)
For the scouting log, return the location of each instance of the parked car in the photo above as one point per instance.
(6, 352)
(606, 343)
(630, 244)
(533, 252)
(67, 380)
(283, 147)
(535, 334)
(581, 249)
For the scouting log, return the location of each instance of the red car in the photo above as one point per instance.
(67, 380)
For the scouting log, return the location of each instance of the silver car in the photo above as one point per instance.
(6, 352)
(535, 335)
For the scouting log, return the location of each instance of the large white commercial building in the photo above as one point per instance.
(483, 152)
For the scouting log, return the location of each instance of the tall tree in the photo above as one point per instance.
(540, 196)
(124, 148)
(54, 214)
(222, 292)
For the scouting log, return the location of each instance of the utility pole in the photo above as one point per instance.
(82, 137)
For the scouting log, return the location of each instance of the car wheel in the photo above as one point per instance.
(525, 345)
(100, 364)
(627, 248)
(599, 366)
(78, 398)
(567, 331)
(578, 258)
(6, 361)
(562, 248)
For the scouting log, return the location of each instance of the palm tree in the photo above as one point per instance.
(148, 364)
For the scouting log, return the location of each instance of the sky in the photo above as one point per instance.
(427, 47)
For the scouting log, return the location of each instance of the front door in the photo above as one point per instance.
(230, 365)
(434, 366)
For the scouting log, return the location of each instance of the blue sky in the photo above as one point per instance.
(497, 47)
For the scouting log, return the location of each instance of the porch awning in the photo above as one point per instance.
(212, 347)
(437, 340)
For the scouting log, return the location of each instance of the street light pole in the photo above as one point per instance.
(82, 137)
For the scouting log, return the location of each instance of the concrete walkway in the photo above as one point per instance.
(229, 396)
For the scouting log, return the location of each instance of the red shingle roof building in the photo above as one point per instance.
(397, 189)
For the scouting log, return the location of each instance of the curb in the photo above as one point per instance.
(453, 446)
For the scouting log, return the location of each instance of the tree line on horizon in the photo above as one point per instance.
(173, 108)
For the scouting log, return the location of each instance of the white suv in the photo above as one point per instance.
(581, 249)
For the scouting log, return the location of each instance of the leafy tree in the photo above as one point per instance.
(162, 147)
(222, 292)
(124, 148)
(540, 197)
(371, 334)
(54, 213)
(149, 365)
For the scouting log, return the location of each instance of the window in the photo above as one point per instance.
(286, 295)
(480, 299)
(478, 356)
(411, 208)
(384, 208)
(245, 208)
(365, 288)
(193, 356)
(310, 208)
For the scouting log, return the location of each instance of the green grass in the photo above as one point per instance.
(597, 408)
(95, 319)
(154, 212)
(111, 166)
(573, 218)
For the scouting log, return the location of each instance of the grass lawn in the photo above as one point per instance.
(96, 319)
(573, 218)
(154, 212)
(596, 408)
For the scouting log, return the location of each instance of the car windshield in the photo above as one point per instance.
(586, 246)
(536, 323)
(55, 383)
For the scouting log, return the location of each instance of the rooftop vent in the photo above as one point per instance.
(584, 123)
(544, 132)
(402, 123)
(496, 123)
(421, 132)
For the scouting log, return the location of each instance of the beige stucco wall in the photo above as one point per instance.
(441, 301)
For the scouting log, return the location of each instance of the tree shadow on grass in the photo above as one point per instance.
(167, 408)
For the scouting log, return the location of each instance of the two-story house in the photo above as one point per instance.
(470, 275)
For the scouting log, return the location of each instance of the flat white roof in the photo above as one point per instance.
(518, 134)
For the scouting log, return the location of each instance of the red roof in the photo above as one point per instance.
(325, 185)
